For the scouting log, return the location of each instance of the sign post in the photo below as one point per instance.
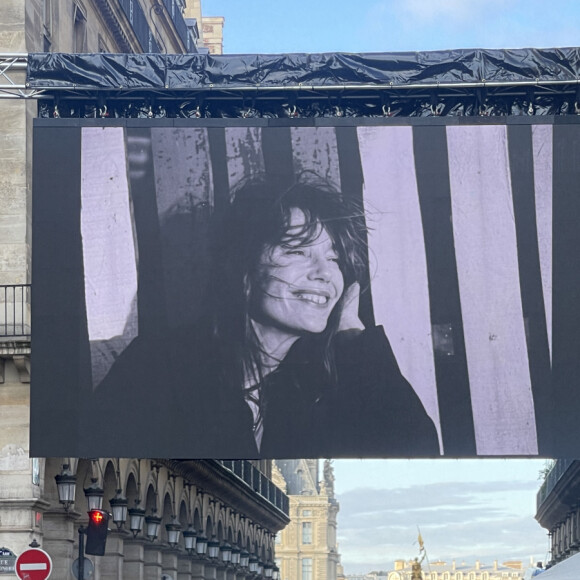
(33, 564)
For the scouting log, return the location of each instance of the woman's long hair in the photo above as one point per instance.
(258, 218)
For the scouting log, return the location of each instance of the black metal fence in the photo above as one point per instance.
(556, 472)
(259, 483)
(15, 311)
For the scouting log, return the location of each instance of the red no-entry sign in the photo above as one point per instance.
(33, 564)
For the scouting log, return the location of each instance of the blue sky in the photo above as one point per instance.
(465, 509)
(263, 26)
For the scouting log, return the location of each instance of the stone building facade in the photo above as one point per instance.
(558, 508)
(440, 570)
(231, 508)
(307, 548)
(213, 34)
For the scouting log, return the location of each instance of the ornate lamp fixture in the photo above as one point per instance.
(189, 538)
(66, 485)
(94, 494)
(173, 530)
(213, 548)
(244, 559)
(201, 545)
(152, 523)
(226, 553)
(136, 518)
(119, 506)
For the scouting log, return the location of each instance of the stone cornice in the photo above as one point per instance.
(34, 503)
(122, 33)
(17, 351)
(561, 499)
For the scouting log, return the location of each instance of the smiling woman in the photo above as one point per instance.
(285, 314)
(279, 364)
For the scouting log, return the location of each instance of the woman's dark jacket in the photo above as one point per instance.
(167, 398)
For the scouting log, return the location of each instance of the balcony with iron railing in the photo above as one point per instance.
(559, 494)
(14, 312)
(259, 483)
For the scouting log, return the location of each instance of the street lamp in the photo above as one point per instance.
(235, 556)
(213, 548)
(173, 529)
(201, 545)
(66, 486)
(94, 494)
(119, 506)
(153, 524)
(189, 539)
(244, 559)
(136, 517)
(226, 553)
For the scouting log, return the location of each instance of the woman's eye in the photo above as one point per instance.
(295, 252)
(333, 259)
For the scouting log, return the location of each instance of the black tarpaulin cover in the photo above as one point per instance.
(198, 72)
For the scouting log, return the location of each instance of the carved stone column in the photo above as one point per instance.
(153, 562)
(59, 540)
(198, 570)
(169, 558)
(184, 567)
(134, 561)
(221, 573)
(111, 564)
(210, 572)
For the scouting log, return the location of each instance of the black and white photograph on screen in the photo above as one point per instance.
(291, 292)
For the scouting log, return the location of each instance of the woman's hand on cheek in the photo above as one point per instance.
(349, 319)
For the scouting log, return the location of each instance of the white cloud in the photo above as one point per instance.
(466, 510)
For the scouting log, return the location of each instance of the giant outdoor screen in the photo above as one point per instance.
(309, 288)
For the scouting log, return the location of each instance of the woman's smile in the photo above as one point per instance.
(302, 282)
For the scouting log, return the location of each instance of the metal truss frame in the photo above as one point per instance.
(13, 67)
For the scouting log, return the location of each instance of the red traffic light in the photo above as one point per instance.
(97, 532)
(96, 516)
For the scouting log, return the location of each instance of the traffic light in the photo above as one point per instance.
(97, 532)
